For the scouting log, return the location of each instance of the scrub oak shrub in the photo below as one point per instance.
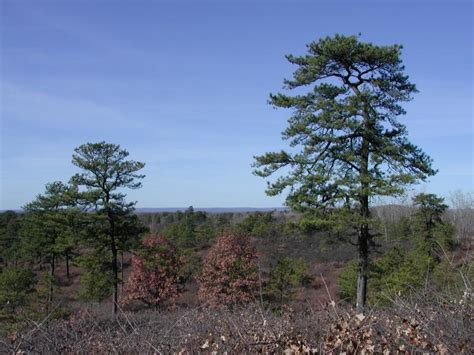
(154, 278)
(230, 274)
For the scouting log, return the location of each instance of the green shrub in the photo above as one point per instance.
(16, 286)
(96, 285)
(285, 275)
(347, 282)
(394, 274)
(410, 275)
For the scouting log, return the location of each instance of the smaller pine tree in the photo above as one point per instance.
(154, 279)
(285, 275)
(431, 232)
(229, 274)
(16, 288)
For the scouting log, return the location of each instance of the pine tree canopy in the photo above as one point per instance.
(345, 138)
(105, 172)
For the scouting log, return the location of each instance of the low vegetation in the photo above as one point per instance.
(414, 325)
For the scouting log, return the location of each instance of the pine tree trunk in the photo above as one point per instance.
(115, 279)
(121, 268)
(52, 267)
(364, 235)
(362, 268)
(113, 248)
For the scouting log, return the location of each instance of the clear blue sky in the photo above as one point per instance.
(183, 85)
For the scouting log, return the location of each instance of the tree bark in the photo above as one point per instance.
(362, 268)
(115, 278)
(51, 280)
(121, 268)
(113, 249)
(364, 234)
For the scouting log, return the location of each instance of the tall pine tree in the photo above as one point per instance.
(347, 145)
(105, 173)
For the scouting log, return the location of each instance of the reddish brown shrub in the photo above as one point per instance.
(155, 273)
(229, 275)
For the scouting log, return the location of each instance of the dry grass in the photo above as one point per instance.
(420, 324)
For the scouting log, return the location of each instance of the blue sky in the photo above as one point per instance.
(183, 85)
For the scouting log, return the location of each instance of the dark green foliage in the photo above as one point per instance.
(97, 280)
(99, 262)
(50, 228)
(402, 229)
(257, 225)
(223, 221)
(16, 286)
(96, 285)
(430, 209)
(43, 289)
(191, 230)
(10, 243)
(191, 264)
(395, 274)
(347, 282)
(353, 105)
(128, 231)
(420, 262)
(51, 223)
(338, 227)
(42, 306)
(285, 275)
(430, 230)
(204, 232)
